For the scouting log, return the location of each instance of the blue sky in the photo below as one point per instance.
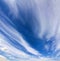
(30, 28)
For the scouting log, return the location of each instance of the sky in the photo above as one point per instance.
(30, 30)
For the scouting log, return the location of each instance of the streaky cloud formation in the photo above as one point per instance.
(30, 30)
